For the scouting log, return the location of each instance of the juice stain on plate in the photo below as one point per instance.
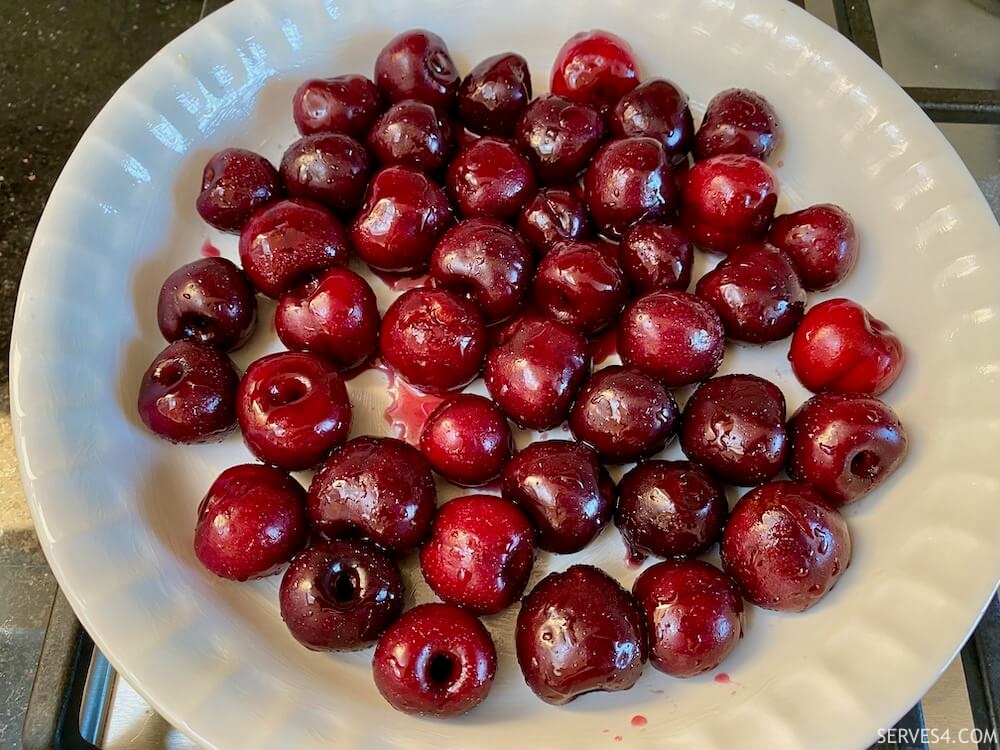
(208, 250)
(408, 408)
(400, 282)
(639, 720)
(618, 738)
(634, 559)
(722, 678)
(604, 345)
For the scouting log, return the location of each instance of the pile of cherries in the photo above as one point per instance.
(542, 223)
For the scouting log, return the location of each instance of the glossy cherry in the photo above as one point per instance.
(559, 136)
(670, 509)
(596, 68)
(288, 242)
(655, 256)
(629, 180)
(785, 546)
(841, 347)
(480, 553)
(535, 370)
(580, 284)
(417, 65)
(209, 301)
(757, 293)
(738, 121)
(577, 632)
(734, 426)
(658, 109)
(250, 522)
(334, 315)
(434, 339)
(403, 216)
(378, 488)
(565, 491)
(412, 134)
(234, 183)
(487, 261)
(347, 104)
(340, 595)
(673, 336)
(188, 394)
(728, 201)
(490, 178)
(435, 660)
(845, 445)
(821, 241)
(330, 168)
(624, 414)
(694, 615)
(552, 215)
(467, 440)
(494, 94)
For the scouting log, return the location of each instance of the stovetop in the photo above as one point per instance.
(61, 61)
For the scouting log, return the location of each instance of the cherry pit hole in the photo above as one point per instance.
(865, 465)
(169, 374)
(441, 669)
(343, 588)
(287, 390)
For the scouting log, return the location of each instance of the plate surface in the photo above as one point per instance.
(115, 508)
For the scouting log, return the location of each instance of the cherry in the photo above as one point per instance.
(845, 445)
(188, 394)
(596, 68)
(655, 256)
(535, 370)
(490, 178)
(624, 414)
(293, 409)
(417, 65)
(377, 488)
(629, 180)
(251, 521)
(479, 554)
(565, 491)
(434, 339)
(670, 509)
(330, 168)
(486, 260)
(467, 440)
(578, 632)
(757, 293)
(553, 214)
(734, 426)
(840, 347)
(785, 546)
(658, 109)
(234, 183)
(209, 301)
(580, 284)
(821, 241)
(347, 104)
(403, 216)
(728, 201)
(287, 242)
(334, 315)
(559, 136)
(694, 615)
(340, 595)
(673, 336)
(435, 660)
(494, 94)
(411, 134)
(738, 121)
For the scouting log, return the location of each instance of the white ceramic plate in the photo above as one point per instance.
(115, 508)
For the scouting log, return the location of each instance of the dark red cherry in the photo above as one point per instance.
(757, 293)
(250, 522)
(559, 136)
(785, 546)
(467, 440)
(209, 301)
(657, 109)
(330, 168)
(580, 284)
(535, 370)
(554, 214)
(487, 261)
(347, 104)
(694, 615)
(334, 315)
(655, 256)
(188, 394)
(625, 414)
(494, 94)
(670, 509)
(234, 183)
(417, 65)
(596, 68)
(435, 660)
(821, 241)
(411, 134)
(490, 178)
(734, 426)
(738, 121)
(377, 488)
(578, 632)
(293, 409)
(340, 595)
(845, 445)
(286, 243)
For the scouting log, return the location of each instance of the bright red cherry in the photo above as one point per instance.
(821, 241)
(580, 284)
(655, 256)
(554, 214)
(840, 347)
(411, 134)
(330, 168)
(347, 104)
(559, 136)
(467, 440)
(494, 94)
(490, 178)
(738, 121)
(596, 68)
(234, 183)
(658, 109)
(417, 65)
